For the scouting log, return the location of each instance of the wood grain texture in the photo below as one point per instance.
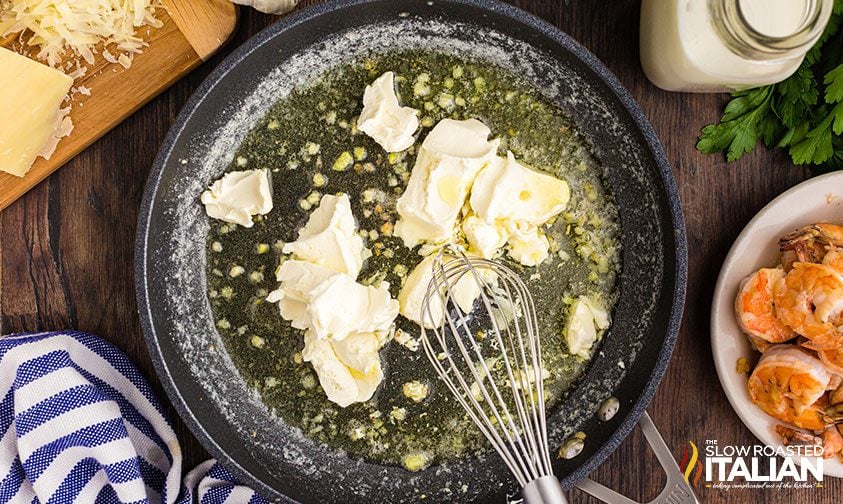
(206, 25)
(116, 92)
(66, 247)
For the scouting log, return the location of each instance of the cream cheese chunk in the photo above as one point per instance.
(359, 351)
(239, 195)
(331, 305)
(330, 237)
(412, 294)
(513, 201)
(449, 159)
(346, 323)
(507, 190)
(586, 318)
(530, 247)
(483, 239)
(384, 119)
(340, 306)
(342, 381)
(298, 279)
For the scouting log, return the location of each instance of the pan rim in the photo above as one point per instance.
(548, 31)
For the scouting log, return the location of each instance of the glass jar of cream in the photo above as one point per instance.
(723, 45)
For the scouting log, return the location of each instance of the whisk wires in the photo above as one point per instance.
(510, 414)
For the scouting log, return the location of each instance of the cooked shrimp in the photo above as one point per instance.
(755, 309)
(834, 259)
(793, 437)
(810, 243)
(832, 442)
(836, 396)
(835, 381)
(830, 439)
(786, 384)
(809, 300)
(834, 412)
(833, 359)
(758, 344)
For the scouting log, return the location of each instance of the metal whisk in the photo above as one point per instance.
(465, 347)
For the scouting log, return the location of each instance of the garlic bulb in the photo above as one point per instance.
(270, 6)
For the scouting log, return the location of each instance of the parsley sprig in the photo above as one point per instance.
(803, 113)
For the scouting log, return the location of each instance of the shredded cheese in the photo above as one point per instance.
(56, 26)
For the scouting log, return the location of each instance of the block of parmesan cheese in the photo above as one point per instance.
(31, 117)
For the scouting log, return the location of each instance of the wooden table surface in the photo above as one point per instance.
(66, 248)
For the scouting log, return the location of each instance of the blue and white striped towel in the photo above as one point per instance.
(79, 424)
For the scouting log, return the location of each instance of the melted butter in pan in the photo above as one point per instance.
(311, 146)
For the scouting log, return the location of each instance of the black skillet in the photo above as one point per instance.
(215, 402)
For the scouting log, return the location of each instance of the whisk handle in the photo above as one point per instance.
(544, 490)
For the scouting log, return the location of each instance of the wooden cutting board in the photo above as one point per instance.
(193, 30)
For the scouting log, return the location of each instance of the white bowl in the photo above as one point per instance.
(818, 199)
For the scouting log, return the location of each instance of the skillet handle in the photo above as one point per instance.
(676, 490)
(545, 490)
